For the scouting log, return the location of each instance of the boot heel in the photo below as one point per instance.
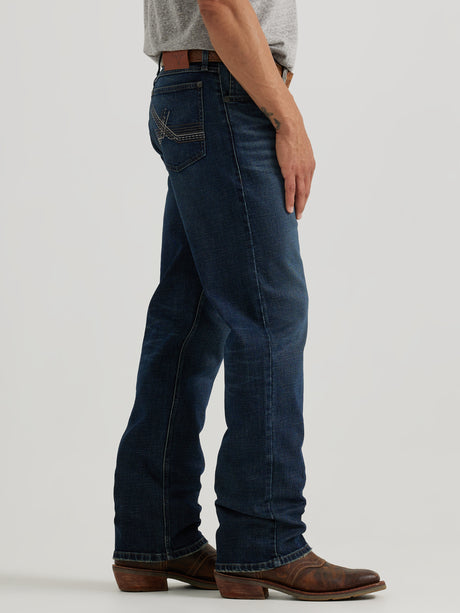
(139, 580)
(236, 587)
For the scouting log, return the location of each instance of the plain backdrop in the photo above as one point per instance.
(82, 197)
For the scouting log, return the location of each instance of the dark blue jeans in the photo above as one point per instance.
(232, 288)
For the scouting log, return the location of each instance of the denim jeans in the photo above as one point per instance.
(232, 288)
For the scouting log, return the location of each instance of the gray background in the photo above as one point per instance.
(82, 197)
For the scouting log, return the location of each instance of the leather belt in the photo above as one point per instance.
(181, 59)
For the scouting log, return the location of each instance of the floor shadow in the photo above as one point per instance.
(46, 582)
(179, 588)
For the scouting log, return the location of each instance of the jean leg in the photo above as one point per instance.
(159, 459)
(246, 250)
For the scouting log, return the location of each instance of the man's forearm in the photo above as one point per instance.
(238, 38)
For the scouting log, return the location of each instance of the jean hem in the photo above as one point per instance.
(159, 557)
(273, 563)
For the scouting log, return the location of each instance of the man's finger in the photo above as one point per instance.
(300, 196)
(290, 190)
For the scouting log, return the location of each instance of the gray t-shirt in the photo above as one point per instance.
(171, 25)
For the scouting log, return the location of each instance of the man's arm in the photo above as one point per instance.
(238, 38)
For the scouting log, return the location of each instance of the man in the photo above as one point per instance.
(232, 288)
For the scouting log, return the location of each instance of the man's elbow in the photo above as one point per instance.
(208, 8)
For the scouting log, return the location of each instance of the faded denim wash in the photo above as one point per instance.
(232, 288)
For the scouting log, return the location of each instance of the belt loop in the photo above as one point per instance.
(159, 63)
(204, 59)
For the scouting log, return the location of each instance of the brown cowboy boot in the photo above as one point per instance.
(194, 568)
(307, 578)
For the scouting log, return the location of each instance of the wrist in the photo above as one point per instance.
(285, 119)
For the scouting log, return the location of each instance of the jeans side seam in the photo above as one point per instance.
(167, 538)
(269, 410)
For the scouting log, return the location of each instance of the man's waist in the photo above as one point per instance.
(171, 60)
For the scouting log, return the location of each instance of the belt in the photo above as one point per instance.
(181, 59)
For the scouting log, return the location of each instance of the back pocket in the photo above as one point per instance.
(177, 123)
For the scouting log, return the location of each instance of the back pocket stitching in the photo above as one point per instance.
(162, 129)
(165, 129)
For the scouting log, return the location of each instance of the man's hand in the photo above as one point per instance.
(297, 163)
(237, 36)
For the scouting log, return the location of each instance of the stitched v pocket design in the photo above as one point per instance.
(178, 123)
